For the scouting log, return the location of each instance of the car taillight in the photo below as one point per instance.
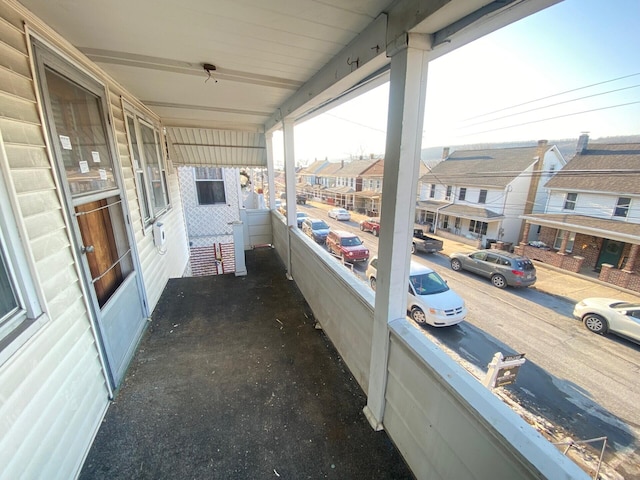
(517, 273)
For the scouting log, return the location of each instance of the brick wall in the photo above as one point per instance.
(213, 259)
(588, 247)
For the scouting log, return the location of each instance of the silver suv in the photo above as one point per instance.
(503, 268)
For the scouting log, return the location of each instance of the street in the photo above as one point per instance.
(578, 384)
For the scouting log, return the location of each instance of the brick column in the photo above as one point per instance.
(565, 242)
(633, 256)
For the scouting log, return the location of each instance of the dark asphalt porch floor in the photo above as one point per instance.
(232, 381)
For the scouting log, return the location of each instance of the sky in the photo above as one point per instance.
(571, 68)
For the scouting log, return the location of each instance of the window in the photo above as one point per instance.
(570, 201)
(432, 193)
(482, 198)
(19, 304)
(478, 227)
(448, 195)
(622, 207)
(210, 186)
(462, 194)
(148, 165)
(557, 244)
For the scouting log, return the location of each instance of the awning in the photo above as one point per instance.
(619, 230)
(460, 210)
(203, 147)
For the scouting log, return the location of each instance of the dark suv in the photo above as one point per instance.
(503, 268)
(347, 246)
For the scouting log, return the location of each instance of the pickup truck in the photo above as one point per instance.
(424, 243)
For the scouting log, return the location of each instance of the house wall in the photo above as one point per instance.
(53, 393)
(552, 162)
(594, 205)
(514, 200)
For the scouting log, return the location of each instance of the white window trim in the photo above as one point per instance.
(139, 117)
(223, 174)
(20, 265)
(566, 199)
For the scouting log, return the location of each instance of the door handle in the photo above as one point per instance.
(88, 249)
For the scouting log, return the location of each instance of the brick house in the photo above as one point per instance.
(591, 223)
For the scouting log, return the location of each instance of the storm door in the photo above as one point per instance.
(76, 111)
(610, 253)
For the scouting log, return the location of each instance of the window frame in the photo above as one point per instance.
(432, 191)
(447, 195)
(197, 180)
(570, 204)
(29, 314)
(462, 193)
(622, 210)
(557, 242)
(144, 189)
(482, 196)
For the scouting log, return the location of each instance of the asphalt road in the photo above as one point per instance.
(580, 385)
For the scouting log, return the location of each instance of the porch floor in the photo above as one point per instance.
(233, 381)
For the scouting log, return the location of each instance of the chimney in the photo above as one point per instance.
(445, 153)
(583, 141)
(542, 148)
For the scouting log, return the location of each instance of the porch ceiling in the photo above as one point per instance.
(272, 59)
(598, 227)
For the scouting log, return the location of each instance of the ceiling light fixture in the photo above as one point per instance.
(209, 67)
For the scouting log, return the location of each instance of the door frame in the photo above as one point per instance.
(43, 54)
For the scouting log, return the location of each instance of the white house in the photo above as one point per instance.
(478, 195)
(592, 216)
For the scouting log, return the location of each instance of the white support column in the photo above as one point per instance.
(407, 93)
(270, 170)
(290, 183)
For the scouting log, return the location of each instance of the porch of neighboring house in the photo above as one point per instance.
(602, 256)
(234, 380)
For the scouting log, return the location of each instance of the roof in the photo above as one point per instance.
(376, 169)
(459, 210)
(330, 170)
(354, 168)
(495, 167)
(314, 168)
(599, 227)
(586, 171)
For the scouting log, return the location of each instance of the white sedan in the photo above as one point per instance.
(339, 214)
(602, 315)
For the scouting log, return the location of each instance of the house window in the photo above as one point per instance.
(432, 193)
(148, 165)
(482, 198)
(557, 244)
(570, 201)
(462, 194)
(210, 186)
(622, 207)
(478, 227)
(19, 304)
(378, 184)
(448, 195)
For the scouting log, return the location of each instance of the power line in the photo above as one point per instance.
(551, 96)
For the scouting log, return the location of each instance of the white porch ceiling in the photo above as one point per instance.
(273, 58)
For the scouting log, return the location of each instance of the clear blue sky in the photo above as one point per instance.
(555, 54)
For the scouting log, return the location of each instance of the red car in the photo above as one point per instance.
(371, 225)
(347, 246)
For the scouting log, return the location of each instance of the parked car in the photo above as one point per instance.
(339, 214)
(371, 225)
(603, 315)
(424, 243)
(316, 229)
(300, 217)
(430, 300)
(301, 199)
(502, 267)
(347, 246)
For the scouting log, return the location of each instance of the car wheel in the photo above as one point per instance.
(456, 265)
(418, 315)
(499, 281)
(413, 248)
(595, 323)
(376, 233)
(372, 282)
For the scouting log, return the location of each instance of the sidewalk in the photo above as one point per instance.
(572, 287)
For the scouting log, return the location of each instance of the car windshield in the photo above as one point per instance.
(428, 283)
(302, 215)
(350, 242)
(320, 225)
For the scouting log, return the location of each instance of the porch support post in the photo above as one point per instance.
(525, 233)
(633, 257)
(565, 242)
(290, 183)
(408, 85)
(270, 170)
